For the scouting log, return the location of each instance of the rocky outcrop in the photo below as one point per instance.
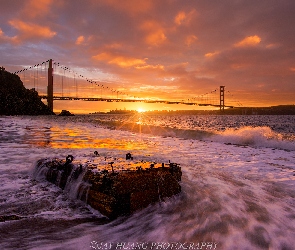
(114, 188)
(15, 99)
(65, 113)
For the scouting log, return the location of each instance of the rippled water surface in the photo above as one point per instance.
(238, 183)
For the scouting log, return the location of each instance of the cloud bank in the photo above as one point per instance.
(189, 47)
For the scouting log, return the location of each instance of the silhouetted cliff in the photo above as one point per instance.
(15, 99)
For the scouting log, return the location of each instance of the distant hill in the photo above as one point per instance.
(15, 99)
(273, 110)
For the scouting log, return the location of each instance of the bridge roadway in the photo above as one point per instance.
(69, 98)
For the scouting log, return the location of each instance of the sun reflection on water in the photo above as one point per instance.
(77, 138)
(98, 143)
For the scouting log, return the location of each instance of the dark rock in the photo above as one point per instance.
(15, 99)
(65, 113)
(116, 192)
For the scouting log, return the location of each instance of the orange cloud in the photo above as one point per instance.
(36, 8)
(239, 66)
(180, 18)
(127, 62)
(30, 30)
(80, 40)
(249, 41)
(190, 40)
(155, 38)
(121, 61)
(155, 33)
(272, 46)
(5, 38)
(184, 18)
(161, 67)
(129, 6)
(113, 46)
(211, 54)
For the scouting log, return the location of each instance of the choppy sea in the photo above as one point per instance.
(238, 182)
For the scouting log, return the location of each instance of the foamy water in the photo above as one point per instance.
(237, 186)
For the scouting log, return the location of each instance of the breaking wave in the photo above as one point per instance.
(260, 136)
(255, 136)
(164, 131)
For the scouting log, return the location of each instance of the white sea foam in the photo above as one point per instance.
(254, 136)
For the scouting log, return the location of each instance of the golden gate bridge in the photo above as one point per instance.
(56, 82)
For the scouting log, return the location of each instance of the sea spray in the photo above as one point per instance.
(254, 136)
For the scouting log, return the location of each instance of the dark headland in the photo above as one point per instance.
(15, 99)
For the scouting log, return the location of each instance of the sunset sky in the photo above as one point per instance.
(169, 49)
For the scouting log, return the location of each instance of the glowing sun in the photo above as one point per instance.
(140, 110)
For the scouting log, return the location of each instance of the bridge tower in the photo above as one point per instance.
(50, 86)
(222, 98)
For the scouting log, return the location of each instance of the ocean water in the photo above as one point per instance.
(238, 183)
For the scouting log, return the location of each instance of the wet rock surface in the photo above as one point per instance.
(115, 189)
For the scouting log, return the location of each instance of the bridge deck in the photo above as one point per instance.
(95, 99)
